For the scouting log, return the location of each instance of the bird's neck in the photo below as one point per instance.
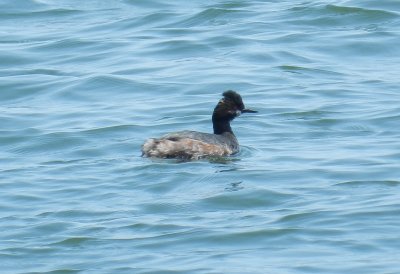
(221, 126)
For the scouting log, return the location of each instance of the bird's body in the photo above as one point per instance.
(191, 145)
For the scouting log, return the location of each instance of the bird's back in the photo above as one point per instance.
(191, 145)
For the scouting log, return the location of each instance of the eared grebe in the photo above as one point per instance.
(195, 145)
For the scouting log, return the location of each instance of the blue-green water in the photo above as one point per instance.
(315, 188)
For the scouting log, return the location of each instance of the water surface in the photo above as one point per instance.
(315, 188)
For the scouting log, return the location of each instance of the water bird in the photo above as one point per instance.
(193, 145)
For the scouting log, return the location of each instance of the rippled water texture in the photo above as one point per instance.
(315, 188)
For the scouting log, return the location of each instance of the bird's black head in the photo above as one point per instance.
(227, 109)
